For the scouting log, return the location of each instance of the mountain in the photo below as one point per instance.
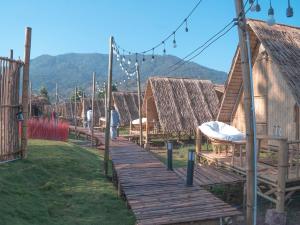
(73, 69)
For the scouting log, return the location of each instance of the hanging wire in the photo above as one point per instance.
(184, 22)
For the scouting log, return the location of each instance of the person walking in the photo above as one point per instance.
(114, 123)
(89, 116)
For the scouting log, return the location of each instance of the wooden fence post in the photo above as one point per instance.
(283, 159)
(25, 92)
(93, 108)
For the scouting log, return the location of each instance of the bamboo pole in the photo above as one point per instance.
(249, 113)
(75, 111)
(30, 99)
(56, 97)
(93, 107)
(283, 158)
(109, 100)
(140, 102)
(25, 91)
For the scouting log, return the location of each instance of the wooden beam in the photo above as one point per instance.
(93, 107)
(25, 92)
(108, 107)
(140, 102)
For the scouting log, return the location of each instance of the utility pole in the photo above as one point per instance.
(25, 92)
(93, 107)
(140, 102)
(245, 52)
(108, 106)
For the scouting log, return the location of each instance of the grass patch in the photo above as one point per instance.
(62, 184)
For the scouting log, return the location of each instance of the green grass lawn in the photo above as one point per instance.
(180, 154)
(60, 184)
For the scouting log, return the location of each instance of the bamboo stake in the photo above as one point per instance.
(249, 114)
(93, 107)
(140, 102)
(25, 91)
(109, 100)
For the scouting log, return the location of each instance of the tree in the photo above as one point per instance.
(44, 92)
(101, 92)
(79, 94)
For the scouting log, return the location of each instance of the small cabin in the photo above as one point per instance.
(178, 105)
(276, 81)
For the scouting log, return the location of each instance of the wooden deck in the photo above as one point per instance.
(209, 176)
(158, 196)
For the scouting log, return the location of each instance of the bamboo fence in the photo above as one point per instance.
(9, 107)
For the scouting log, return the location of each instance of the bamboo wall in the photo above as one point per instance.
(274, 102)
(9, 107)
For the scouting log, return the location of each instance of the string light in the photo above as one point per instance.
(252, 5)
(136, 59)
(129, 60)
(174, 40)
(143, 58)
(289, 10)
(152, 57)
(257, 6)
(164, 51)
(271, 19)
(186, 26)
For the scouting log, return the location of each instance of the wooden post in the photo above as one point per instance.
(56, 97)
(109, 100)
(198, 144)
(11, 54)
(93, 107)
(249, 113)
(140, 102)
(25, 92)
(147, 124)
(30, 99)
(283, 158)
(75, 112)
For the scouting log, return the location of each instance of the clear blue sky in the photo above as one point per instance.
(84, 26)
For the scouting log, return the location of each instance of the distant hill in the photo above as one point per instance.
(71, 69)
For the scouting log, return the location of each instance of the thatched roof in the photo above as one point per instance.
(182, 104)
(282, 44)
(126, 104)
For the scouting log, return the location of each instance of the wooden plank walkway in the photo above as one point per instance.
(208, 176)
(158, 196)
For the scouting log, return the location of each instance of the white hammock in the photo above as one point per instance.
(222, 131)
(137, 121)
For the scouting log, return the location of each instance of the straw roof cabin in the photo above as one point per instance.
(180, 105)
(126, 103)
(276, 78)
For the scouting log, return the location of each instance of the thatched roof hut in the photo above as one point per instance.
(276, 81)
(126, 103)
(180, 105)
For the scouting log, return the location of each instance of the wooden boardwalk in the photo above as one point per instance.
(158, 196)
(209, 176)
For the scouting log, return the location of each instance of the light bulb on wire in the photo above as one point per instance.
(174, 40)
(152, 57)
(129, 60)
(186, 26)
(164, 50)
(143, 60)
(257, 6)
(289, 10)
(271, 19)
(252, 5)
